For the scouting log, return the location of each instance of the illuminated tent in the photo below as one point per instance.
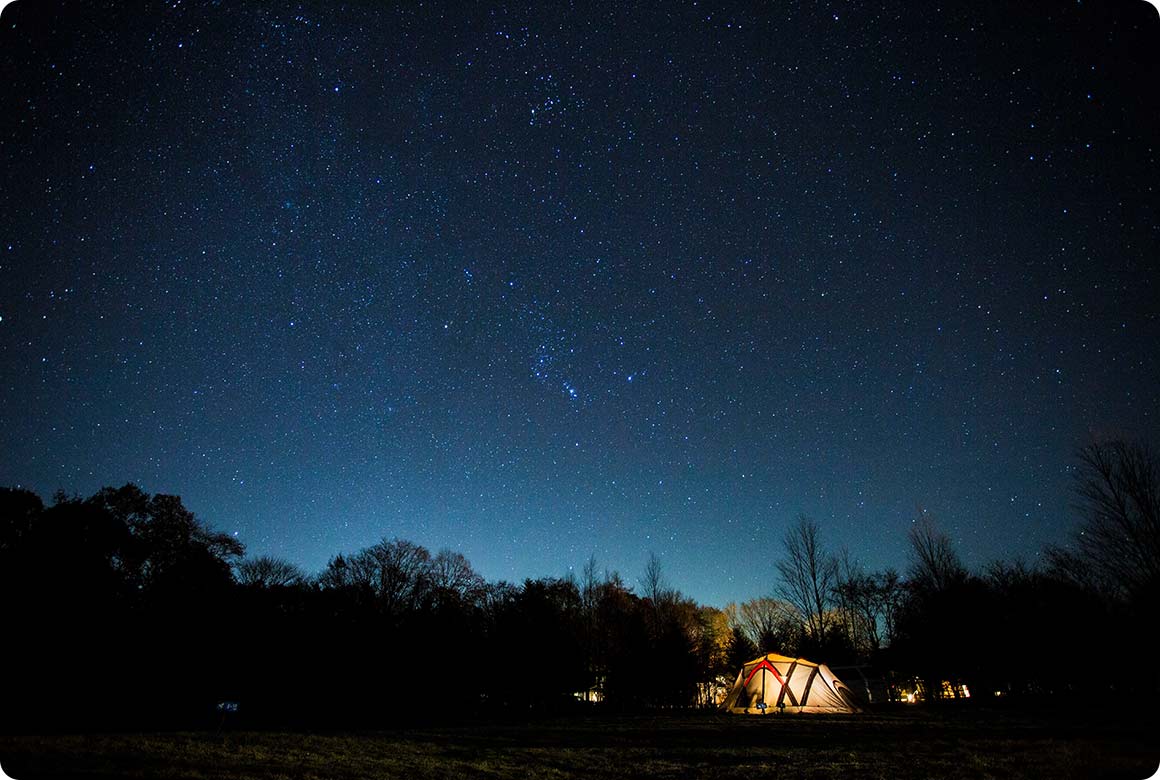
(776, 683)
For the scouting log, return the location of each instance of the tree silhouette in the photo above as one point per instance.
(268, 572)
(934, 564)
(870, 603)
(1117, 545)
(770, 625)
(453, 579)
(19, 512)
(395, 575)
(808, 577)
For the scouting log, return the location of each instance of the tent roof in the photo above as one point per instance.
(774, 658)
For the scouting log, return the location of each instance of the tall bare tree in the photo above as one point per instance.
(934, 564)
(1118, 541)
(808, 577)
(655, 587)
(589, 586)
(652, 582)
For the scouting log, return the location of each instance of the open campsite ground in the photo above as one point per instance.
(912, 743)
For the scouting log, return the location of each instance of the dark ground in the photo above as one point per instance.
(907, 743)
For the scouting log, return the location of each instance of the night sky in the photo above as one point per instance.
(539, 282)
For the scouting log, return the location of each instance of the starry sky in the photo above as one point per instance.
(536, 282)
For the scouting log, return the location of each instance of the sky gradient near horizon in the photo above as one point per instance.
(537, 283)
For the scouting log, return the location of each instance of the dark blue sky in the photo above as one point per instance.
(543, 282)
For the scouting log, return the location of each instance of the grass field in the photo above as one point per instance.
(906, 744)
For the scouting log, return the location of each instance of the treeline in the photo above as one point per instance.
(123, 610)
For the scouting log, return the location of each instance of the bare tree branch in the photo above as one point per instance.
(808, 576)
(1118, 496)
(267, 572)
(934, 564)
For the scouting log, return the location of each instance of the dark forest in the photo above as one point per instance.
(124, 609)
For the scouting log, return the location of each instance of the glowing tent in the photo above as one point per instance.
(775, 683)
